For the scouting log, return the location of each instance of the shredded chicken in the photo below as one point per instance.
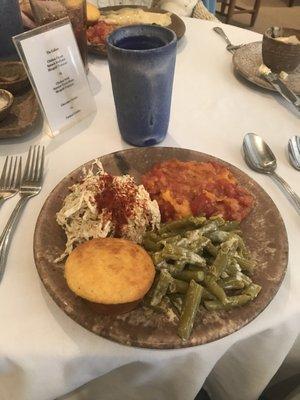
(82, 221)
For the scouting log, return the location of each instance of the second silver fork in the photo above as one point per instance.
(10, 178)
(31, 185)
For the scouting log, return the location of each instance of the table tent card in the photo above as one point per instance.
(51, 57)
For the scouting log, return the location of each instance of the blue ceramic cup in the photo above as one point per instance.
(141, 62)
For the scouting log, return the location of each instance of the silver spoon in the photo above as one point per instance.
(294, 151)
(260, 158)
(230, 47)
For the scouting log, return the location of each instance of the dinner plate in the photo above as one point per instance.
(177, 25)
(263, 231)
(248, 58)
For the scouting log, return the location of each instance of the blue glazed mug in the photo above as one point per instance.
(141, 62)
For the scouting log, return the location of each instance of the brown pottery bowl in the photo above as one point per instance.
(13, 76)
(277, 55)
(9, 98)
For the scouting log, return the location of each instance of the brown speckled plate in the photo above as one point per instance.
(23, 116)
(177, 25)
(247, 60)
(263, 230)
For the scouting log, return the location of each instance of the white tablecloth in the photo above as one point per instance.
(44, 354)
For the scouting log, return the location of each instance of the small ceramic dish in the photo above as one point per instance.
(279, 55)
(13, 76)
(6, 101)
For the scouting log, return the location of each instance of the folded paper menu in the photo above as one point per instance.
(54, 66)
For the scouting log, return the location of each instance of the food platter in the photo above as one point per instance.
(247, 60)
(263, 231)
(177, 25)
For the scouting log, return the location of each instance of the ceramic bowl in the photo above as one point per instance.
(13, 76)
(9, 98)
(277, 55)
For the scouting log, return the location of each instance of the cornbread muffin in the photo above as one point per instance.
(110, 272)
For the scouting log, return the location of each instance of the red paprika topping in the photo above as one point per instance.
(118, 198)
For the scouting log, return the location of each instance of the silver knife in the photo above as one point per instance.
(281, 87)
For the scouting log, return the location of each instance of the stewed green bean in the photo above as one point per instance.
(233, 301)
(215, 289)
(189, 310)
(183, 224)
(231, 283)
(178, 286)
(197, 276)
(161, 287)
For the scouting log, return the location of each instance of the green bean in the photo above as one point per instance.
(150, 235)
(193, 235)
(230, 225)
(239, 300)
(150, 245)
(212, 249)
(233, 267)
(161, 287)
(163, 265)
(182, 224)
(171, 252)
(211, 226)
(206, 295)
(233, 301)
(252, 291)
(177, 267)
(189, 310)
(187, 276)
(178, 286)
(231, 283)
(247, 281)
(191, 267)
(224, 275)
(245, 263)
(218, 236)
(193, 244)
(170, 239)
(213, 305)
(231, 245)
(219, 264)
(220, 220)
(177, 302)
(215, 289)
(158, 258)
(163, 306)
(198, 245)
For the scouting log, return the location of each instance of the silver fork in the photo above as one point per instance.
(230, 47)
(10, 178)
(31, 185)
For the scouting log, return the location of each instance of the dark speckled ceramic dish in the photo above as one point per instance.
(177, 25)
(247, 60)
(263, 230)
